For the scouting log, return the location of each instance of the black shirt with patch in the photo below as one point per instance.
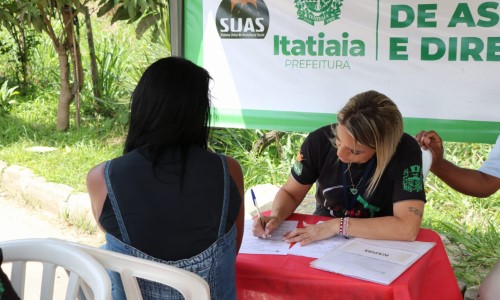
(401, 180)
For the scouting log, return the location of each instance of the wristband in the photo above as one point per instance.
(341, 226)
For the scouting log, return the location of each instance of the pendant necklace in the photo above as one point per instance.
(352, 192)
(353, 188)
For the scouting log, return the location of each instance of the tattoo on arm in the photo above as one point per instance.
(416, 211)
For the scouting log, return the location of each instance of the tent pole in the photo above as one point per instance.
(176, 10)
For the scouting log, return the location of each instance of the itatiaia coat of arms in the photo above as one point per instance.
(312, 11)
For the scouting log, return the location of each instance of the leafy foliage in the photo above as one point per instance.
(477, 249)
(271, 166)
(22, 40)
(6, 97)
(150, 14)
(113, 68)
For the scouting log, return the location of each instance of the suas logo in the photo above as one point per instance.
(242, 19)
(311, 11)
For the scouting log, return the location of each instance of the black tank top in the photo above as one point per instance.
(164, 218)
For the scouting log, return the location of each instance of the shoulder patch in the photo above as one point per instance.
(412, 179)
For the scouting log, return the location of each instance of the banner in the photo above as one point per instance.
(292, 64)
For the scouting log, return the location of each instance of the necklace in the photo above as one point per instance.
(353, 188)
(353, 192)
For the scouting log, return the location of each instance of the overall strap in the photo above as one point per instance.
(225, 205)
(114, 204)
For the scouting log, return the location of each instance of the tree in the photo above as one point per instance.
(63, 13)
(24, 40)
(57, 18)
(149, 14)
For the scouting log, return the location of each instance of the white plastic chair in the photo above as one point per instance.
(189, 284)
(85, 273)
(426, 162)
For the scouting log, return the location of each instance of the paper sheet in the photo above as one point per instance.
(376, 261)
(318, 248)
(381, 253)
(272, 245)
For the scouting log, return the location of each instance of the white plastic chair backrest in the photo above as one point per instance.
(85, 273)
(426, 162)
(189, 284)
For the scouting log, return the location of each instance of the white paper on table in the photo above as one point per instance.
(382, 253)
(319, 248)
(376, 261)
(272, 245)
(416, 246)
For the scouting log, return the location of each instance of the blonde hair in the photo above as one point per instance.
(374, 121)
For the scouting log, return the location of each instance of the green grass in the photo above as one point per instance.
(76, 151)
(473, 224)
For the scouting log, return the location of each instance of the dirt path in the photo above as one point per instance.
(18, 221)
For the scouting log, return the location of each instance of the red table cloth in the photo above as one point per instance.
(290, 277)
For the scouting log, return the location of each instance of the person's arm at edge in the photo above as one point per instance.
(237, 176)
(466, 181)
(96, 188)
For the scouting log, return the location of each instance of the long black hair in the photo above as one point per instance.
(170, 108)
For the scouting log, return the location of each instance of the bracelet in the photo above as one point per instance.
(341, 226)
(345, 227)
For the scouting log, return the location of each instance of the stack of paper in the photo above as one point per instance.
(372, 260)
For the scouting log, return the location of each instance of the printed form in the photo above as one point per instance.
(273, 245)
(372, 260)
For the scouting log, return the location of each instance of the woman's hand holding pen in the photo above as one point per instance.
(265, 225)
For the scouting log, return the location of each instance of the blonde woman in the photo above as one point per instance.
(368, 176)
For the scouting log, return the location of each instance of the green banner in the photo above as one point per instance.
(450, 130)
(288, 71)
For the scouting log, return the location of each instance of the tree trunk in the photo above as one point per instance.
(266, 140)
(23, 50)
(76, 58)
(93, 58)
(73, 47)
(65, 94)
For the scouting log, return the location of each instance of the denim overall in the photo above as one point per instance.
(216, 264)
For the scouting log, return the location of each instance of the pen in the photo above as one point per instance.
(254, 199)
